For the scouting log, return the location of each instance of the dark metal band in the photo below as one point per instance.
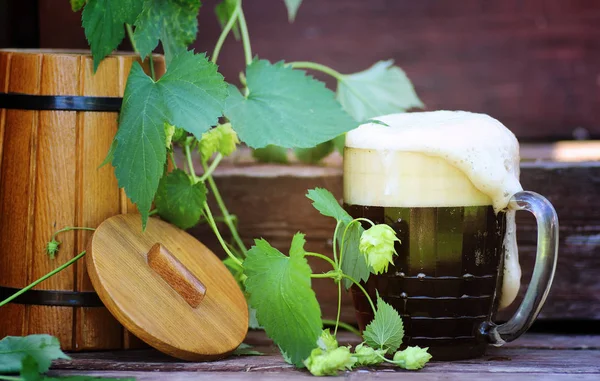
(18, 101)
(53, 298)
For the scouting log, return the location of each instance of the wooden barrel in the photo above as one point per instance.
(49, 178)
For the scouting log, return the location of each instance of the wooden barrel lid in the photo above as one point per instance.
(167, 288)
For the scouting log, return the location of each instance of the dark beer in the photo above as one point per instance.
(446, 278)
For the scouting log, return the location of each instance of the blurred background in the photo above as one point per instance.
(532, 64)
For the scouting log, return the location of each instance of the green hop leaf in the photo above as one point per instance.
(366, 355)
(189, 95)
(353, 263)
(279, 288)
(412, 358)
(315, 154)
(377, 245)
(325, 202)
(103, 22)
(42, 348)
(174, 22)
(76, 5)
(224, 10)
(285, 107)
(271, 154)
(380, 90)
(179, 200)
(386, 331)
(327, 341)
(52, 248)
(329, 363)
(222, 139)
(292, 8)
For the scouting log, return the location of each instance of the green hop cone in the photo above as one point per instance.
(222, 139)
(209, 144)
(179, 135)
(169, 131)
(329, 363)
(377, 245)
(327, 341)
(412, 358)
(366, 355)
(52, 248)
(229, 139)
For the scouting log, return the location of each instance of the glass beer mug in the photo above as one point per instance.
(457, 262)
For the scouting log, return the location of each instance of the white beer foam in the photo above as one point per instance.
(477, 145)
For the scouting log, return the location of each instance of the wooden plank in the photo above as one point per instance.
(97, 197)
(277, 194)
(301, 375)
(54, 195)
(17, 189)
(544, 359)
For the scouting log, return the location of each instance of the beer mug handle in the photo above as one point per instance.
(543, 273)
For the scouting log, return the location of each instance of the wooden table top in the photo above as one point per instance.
(534, 356)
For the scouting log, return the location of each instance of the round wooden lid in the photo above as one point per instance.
(167, 288)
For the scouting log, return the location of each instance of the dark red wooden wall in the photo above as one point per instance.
(533, 64)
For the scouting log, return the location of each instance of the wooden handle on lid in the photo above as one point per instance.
(176, 275)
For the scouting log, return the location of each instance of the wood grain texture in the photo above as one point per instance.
(172, 271)
(54, 195)
(533, 64)
(17, 188)
(356, 376)
(277, 194)
(519, 360)
(50, 179)
(119, 263)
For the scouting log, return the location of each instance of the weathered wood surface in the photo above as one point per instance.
(270, 202)
(533, 64)
(356, 376)
(552, 357)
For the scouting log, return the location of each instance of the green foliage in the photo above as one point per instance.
(103, 21)
(292, 8)
(280, 289)
(327, 341)
(179, 200)
(76, 5)
(377, 245)
(173, 22)
(382, 89)
(339, 142)
(222, 139)
(224, 10)
(366, 355)
(189, 95)
(275, 109)
(246, 350)
(329, 363)
(353, 262)
(386, 331)
(29, 372)
(271, 154)
(42, 348)
(315, 154)
(412, 358)
(327, 205)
